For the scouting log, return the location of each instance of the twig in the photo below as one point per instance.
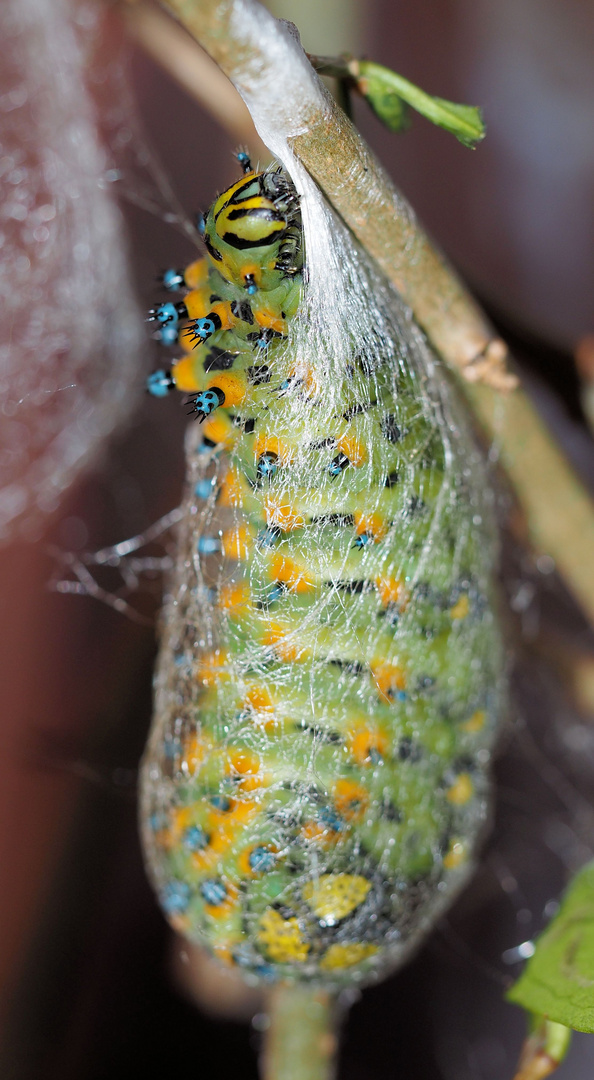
(285, 96)
(302, 1041)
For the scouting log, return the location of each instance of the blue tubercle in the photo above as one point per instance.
(203, 329)
(205, 403)
(164, 313)
(203, 488)
(207, 545)
(168, 334)
(160, 383)
(173, 280)
(214, 892)
(175, 897)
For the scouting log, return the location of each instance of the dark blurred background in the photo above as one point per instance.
(93, 987)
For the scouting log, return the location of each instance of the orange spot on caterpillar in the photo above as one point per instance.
(245, 768)
(367, 744)
(282, 515)
(233, 387)
(236, 543)
(350, 799)
(185, 375)
(260, 700)
(197, 304)
(218, 428)
(456, 855)
(271, 444)
(266, 318)
(233, 489)
(196, 752)
(196, 274)
(284, 644)
(352, 449)
(372, 524)
(234, 598)
(212, 668)
(295, 577)
(392, 590)
(389, 678)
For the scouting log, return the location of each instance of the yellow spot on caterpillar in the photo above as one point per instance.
(392, 590)
(234, 598)
(281, 938)
(282, 515)
(212, 668)
(332, 896)
(236, 543)
(461, 609)
(389, 679)
(294, 576)
(461, 791)
(367, 744)
(456, 855)
(185, 376)
(338, 956)
(350, 799)
(476, 722)
(233, 387)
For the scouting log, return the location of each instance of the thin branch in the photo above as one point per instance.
(266, 63)
(302, 1040)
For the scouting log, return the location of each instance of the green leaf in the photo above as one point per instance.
(558, 981)
(388, 94)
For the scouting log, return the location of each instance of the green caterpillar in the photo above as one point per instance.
(330, 669)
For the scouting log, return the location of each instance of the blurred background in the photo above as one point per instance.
(92, 984)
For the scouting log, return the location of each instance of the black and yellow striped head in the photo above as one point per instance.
(253, 231)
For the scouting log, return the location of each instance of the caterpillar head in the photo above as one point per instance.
(253, 232)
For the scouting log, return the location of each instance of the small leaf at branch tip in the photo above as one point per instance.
(558, 981)
(389, 94)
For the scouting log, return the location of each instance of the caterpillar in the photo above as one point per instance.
(329, 682)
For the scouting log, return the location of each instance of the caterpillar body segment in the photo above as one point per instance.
(329, 677)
